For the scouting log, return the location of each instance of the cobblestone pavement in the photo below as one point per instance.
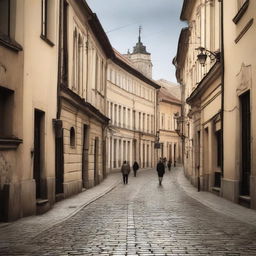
(142, 218)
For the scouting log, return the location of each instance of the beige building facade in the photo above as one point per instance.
(169, 107)
(28, 51)
(239, 102)
(200, 122)
(131, 104)
(81, 119)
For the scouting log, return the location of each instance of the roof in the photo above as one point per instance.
(166, 96)
(187, 8)
(98, 30)
(179, 60)
(126, 64)
(173, 88)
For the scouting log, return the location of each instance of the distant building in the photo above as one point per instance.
(131, 104)
(169, 107)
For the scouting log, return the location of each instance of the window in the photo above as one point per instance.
(139, 121)
(6, 108)
(162, 121)
(72, 137)
(75, 59)
(129, 118)
(102, 76)
(119, 115)
(147, 123)
(80, 64)
(152, 123)
(5, 17)
(115, 114)
(218, 142)
(143, 122)
(124, 116)
(48, 21)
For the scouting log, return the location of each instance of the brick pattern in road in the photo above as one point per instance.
(143, 218)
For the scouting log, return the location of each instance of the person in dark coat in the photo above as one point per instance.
(125, 170)
(160, 168)
(135, 168)
(169, 164)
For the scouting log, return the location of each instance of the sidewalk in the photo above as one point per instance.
(31, 226)
(214, 202)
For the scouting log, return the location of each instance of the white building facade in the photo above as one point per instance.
(131, 105)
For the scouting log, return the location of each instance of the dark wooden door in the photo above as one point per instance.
(246, 143)
(96, 150)
(37, 151)
(85, 157)
(59, 158)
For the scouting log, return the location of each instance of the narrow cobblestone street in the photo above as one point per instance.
(142, 218)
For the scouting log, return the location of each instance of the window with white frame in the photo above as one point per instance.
(48, 21)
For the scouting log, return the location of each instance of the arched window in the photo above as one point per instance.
(72, 137)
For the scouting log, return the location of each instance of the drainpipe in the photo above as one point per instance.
(222, 87)
(59, 61)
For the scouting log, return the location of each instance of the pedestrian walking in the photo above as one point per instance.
(160, 168)
(135, 168)
(125, 170)
(169, 165)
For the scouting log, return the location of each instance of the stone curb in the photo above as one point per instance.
(216, 203)
(76, 210)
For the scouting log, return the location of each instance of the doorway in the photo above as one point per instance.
(96, 164)
(170, 152)
(59, 169)
(246, 144)
(38, 153)
(85, 156)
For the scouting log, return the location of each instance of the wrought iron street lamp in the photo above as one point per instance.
(204, 53)
(179, 125)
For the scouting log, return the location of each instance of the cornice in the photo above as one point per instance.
(204, 84)
(179, 60)
(134, 72)
(78, 102)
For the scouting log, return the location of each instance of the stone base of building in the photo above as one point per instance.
(230, 189)
(50, 186)
(72, 188)
(17, 200)
(204, 182)
(253, 192)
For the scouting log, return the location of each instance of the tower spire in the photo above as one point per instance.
(140, 28)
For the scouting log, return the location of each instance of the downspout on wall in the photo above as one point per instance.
(222, 87)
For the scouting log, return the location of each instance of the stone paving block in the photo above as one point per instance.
(140, 219)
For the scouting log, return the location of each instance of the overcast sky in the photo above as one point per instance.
(160, 28)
